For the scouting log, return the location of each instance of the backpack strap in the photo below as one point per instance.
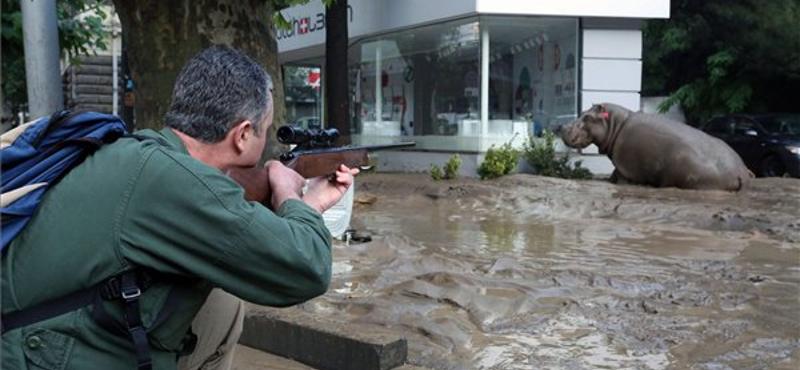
(130, 294)
(127, 288)
(49, 309)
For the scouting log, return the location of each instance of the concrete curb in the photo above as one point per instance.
(301, 337)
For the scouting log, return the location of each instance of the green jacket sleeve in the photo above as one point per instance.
(183, 217)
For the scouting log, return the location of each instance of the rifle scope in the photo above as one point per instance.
(289, 134)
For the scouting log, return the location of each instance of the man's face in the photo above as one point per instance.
(256, 147)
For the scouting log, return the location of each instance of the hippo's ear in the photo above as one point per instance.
(597, 112)
(603, 112)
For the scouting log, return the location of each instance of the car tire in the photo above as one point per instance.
(772, 166)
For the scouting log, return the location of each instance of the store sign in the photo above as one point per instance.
(374, 16)
(304, 25)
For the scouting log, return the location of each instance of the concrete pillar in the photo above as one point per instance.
(611, 62)
(42, 63)
(611, 71)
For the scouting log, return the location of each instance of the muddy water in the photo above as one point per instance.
(535, 273)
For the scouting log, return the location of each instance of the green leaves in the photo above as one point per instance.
(541, 155)
(499, 161)
(718, 56)
(675, 39)
(280, 21)
(450, 169)
(77, 36)
(718, 65)
(436, 173)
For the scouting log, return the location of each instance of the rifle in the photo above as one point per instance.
(314, 155)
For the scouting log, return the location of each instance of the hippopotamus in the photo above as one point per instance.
(651, 149)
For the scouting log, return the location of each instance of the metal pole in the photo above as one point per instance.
(114, 73)
(378, 83)
(484, 55)
(42, 65)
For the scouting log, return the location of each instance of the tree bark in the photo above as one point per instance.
(337, 110)
(161, 36)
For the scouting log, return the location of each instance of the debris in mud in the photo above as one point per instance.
(649, 307)
(757, 279)
(362, 198)
(354, 236)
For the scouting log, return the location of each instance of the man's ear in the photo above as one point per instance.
(240, 133)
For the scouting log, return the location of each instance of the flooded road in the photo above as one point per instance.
(528, 272)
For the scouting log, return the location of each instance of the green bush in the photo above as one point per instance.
(451, 167)
(541, 155)
(436, 173)
(499, 162)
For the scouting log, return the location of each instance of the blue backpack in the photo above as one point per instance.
(36, 155)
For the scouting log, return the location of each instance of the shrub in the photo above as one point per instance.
(451, 167)
(436, 173)
(541, 155)
(499, 162)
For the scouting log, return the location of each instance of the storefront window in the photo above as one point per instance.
(422, 82)
(303, 95)
(427, 82)
(532, 73)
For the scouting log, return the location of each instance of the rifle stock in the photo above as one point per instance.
(255, 182)
(309, 164)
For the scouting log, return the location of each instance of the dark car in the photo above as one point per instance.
(769, 144)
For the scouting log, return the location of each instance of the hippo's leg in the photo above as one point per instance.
(614, 177)
(618, 178)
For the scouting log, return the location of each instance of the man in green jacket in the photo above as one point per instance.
(166, 209)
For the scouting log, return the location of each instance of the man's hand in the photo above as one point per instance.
(284, 183)
(274, 183)
(324, 192)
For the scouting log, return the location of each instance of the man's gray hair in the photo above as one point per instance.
(215, 91)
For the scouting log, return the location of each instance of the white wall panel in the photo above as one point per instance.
(621, 44)
(630, 100)
(608, 74)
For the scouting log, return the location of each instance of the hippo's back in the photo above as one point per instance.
(695, 159)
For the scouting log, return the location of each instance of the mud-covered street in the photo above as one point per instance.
(529, 272)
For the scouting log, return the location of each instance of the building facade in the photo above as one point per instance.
(458, 76)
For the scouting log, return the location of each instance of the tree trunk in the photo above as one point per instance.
(163, 35)
(337, 110)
